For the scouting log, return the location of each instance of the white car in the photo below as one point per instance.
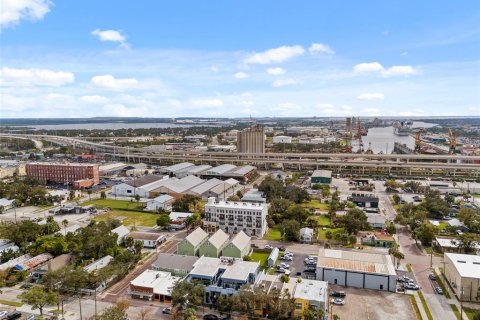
(287, 258)
(3, 314)
(338, 301)
(267, 246)
(284, 265)
(281, 270)
(287, 253)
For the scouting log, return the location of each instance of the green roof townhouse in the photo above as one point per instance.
(239, 247)
(214, 245)
(190, 246)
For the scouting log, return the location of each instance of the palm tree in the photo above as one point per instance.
(396, 255)
(65, 224)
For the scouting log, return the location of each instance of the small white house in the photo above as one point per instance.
(161, 202)
(121, 233)
(306, 234)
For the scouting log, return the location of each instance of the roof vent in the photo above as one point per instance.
(461, 261)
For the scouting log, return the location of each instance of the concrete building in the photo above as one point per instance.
(239, 247)
(163, 202)
(176, 264)
(282, 139)
(198, 170)
(190, 246)
(64, 173)
(121, 232)
(153, 285)
(223, 190)
(203, 190)
(214, 245)
(463, 273)
(377, 221)
(251, 140)
(306, 235)
(311, 294)
(356, 269)
(452, 245)
(223, 276)
(149, 239)
(321, 177)
(273, 257)
(219, 171)
(233, 217)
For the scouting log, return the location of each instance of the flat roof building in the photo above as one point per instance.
(321, 177)
(98, 264)
(153, 285)
(63, 173)
(149, 239)
(311, 294)
(358, 269)
(463, 273)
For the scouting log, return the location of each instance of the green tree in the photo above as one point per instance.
(137, 198)
(192, 220)
(190, 314)
(467, 242)
(328, 234)
(38, 298)
(290, 230)
(271, 188)
(163, 220)
(65, 224)
(129, 242)
(396, 199)
(354, 220)
(55, 245)
(297, 195)
(309, 314)
(435, 205)
(117, 312)
(471, 219)
(138, 246)
(187, 295)
(476, 315)
(336, 317)
(391, 183)
(425, 233)
(397, 255)
(71, 195)
(103, 195)
(185, 203)
(391, 228)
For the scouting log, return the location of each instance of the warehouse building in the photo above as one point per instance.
(203, 190)
(179, 167)
(176, 264)
(218, 171)
(282, 139)
(177, 187)
(190, 246)
(163, 202)
(192, 171)
(254, 195)
(141, 186)
(356, 269)
(364, 200)
(321, 177)
(463, 273)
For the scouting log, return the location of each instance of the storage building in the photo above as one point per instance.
(321, 177)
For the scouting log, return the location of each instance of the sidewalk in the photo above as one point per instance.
(420, 306)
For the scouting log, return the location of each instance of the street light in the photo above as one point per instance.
(461, 303)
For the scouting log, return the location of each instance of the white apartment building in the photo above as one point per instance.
(235, 216)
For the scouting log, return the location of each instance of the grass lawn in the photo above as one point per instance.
(456, 311)
(415, 307)
(442, 225)
(261, 257)
(425, 306)
(316, 204)
(115, 204)
(323, 220)
(470, 312)
(11, 303)
(273, 234)
(322, 233)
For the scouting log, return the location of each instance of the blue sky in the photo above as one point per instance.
(239, 58)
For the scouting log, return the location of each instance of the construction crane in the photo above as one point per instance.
(417, 140)
(453, 142)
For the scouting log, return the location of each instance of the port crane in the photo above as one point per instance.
(417, 140)
(453, 142)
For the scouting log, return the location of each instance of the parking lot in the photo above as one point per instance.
(372, 304)
(298, 265)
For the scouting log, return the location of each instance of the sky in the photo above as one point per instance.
(150, 58)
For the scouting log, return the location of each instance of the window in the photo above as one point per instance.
(298, 306)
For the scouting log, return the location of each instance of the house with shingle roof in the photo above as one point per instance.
(214, 245)
(239, 246)
(190, 246)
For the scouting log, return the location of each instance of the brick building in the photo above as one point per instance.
(76, 174)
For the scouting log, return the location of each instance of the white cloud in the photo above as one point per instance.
(316, 48)
(12, 11)
(400, 71)
(371, 96)
(34, 77)
(367, 67)
(283, 82)
(276, 55)
(111, 35)
(276, 71)
(206, 103)
(94, 99)
(241, 75)
(109, 82)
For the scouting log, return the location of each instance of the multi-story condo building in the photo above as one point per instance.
(235, 216)
(251, 140)
(77, 174)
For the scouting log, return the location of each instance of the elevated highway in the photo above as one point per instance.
(403, 164)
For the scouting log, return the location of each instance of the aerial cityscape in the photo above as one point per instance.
(308, 160)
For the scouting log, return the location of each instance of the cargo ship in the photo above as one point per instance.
(401, 129)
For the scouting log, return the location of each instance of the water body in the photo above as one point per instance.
(383, 139)
(110, 126)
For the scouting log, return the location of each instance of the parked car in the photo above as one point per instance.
(282, 248)
(338, 294)
(267, 246)
(338, 301)
(284, 265)
(210, 317)
(439, 290)
(3, 314)
(14, 315)
(167, 310)
(287, 258)
(431, 276)
(281, 270)
(401, 289)
(412, 286)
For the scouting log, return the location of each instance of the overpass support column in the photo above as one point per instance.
(299, 167)
(454, 172)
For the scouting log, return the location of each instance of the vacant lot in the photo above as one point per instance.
(322, 233)
(261, 257)
(371, 304)
(273, 234)
(130, 213)
(316, 204)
